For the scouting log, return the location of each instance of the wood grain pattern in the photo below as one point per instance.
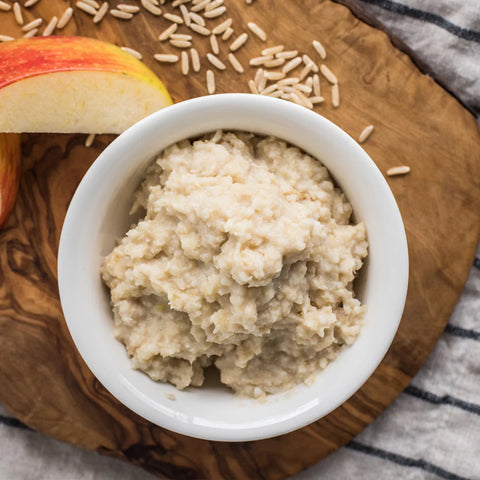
(44, 381)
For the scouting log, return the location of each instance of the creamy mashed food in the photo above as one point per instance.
(244, 260)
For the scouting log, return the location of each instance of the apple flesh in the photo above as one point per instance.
(10, 156)
(74, 85)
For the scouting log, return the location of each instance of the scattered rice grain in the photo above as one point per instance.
(238, 42)
(180, 43)
(316, 99)
(166, 57)
(309, 82)
(200, 6)
(30, 3)
(276, 94)
(17, 12)
(292, 65)
(198, 19)
(254, 28)
(6, 38)
(273, 50)
(31, 33)
(92, 3)
(306, 102)
(259, 75)
(270, 89)
(177, 3)
(89, 140)
(255, 62)
(214, 44)
(400, 170)
(168, 32)
(219, 29)
(303, 88)
(252, 87)
(85, 7)
(181, 36)
(125, 7)
(102, 11)
(33, 24)
(335, 96)
(328, 74)
(185, 15)
(366, 132)
(173, 18)
(276, 62)
(227, 33)
(5, 7)
(305, 71)
(288, 81)
(195, 60)
(119, 14)
(274, 75)
(213, 5)
(149, 6)
(65, 18)
(210, 82)
(215, 61)
(50, 27)
(319, 48)
(308, 61)
(185, 65)
(316, 85)
(287, 55)
(199, 29)
(132, 52)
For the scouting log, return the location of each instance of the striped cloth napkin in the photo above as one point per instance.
(432, 431)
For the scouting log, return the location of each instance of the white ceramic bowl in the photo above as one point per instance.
(98, 216)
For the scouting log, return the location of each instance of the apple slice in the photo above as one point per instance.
(74, 85)
(10, 155)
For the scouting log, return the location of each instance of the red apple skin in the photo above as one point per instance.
(30, 57)
(10, 160)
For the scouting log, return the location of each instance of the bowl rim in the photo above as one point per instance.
(144, 128)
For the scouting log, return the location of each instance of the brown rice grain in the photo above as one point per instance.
(50, 27)
(227, 33)
(149, 6)
(185, 64)
(6, 38)
(33, 24)
(65, 18)
(132, 52)
(276, 62)
(125, 7)
(181, 36)
(328, 74)
(270, 89)
(254, 28)
(316, 99)
(92, 3)
(89, 140)
(213, 5)
(214, 44)
(200, 6)
(320, 49)
(238, 42)
(185, 15)
(17, 12)
(335, 96)
(210, 82)
(85, 7)
(180, 43)
(316, 85)
(273, 50)
(198, 19)
(5, 7)
(195, 60)
(199, 29)
(288, 81)
(287, 55)
(366, 132)
(292, 65)
(274, 75)
(168, 32)
(173, 18)
(121, 15)
(219, 29)
(400, 170)
(252, 87)
(31, 33)
(215, 61)
(30, 3)
(166, 57)
(102, 11)
(255, 62)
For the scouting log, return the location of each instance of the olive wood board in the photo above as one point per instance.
(43, 379)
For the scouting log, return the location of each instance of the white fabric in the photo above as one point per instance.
(433, 429)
